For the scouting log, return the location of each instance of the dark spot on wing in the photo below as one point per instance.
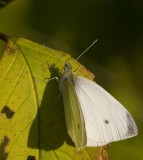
(78, 126)
(7, 112)
(106, 121)
(31, 158)
(132, 129)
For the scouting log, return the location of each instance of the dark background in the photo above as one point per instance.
(116, 59)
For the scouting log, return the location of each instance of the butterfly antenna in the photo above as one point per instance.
(87, 49)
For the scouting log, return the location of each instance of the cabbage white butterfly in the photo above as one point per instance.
(93, 116)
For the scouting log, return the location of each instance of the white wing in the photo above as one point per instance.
(106, 120)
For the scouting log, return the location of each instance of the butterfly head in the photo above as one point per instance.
(67, 67)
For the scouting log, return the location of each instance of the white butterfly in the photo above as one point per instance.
(93, 116)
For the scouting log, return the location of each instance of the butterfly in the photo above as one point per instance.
(93, 116)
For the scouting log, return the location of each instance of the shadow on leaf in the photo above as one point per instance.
(48, 131)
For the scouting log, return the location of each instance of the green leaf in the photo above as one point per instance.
(4, 2)
(32, 124)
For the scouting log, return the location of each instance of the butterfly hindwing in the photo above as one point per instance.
(73, 114)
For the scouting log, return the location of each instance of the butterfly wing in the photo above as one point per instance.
(106, 120)
(73, 113)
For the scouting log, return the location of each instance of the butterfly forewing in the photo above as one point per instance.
(106, 120)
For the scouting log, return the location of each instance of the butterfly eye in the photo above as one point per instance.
(67, 67)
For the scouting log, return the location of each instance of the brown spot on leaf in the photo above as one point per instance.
(4, 37)
(31, 158)
(6, 111)
(3, 144)
(104, 154)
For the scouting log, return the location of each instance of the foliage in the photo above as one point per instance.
(32, 124)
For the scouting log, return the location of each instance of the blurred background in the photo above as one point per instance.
(116, 59)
